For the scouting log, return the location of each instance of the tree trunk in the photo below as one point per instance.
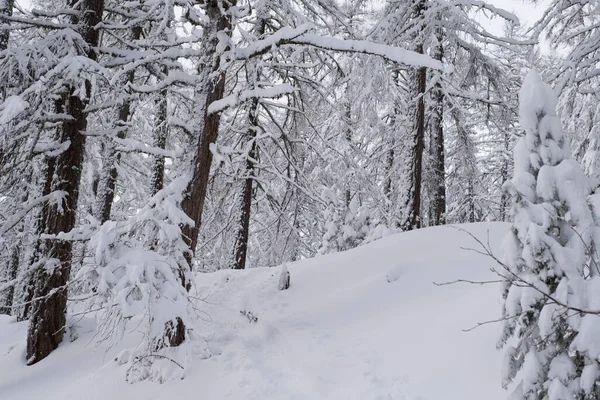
(504, 170)
(12, 268)
(6, 8)
(413, 165)
(48, 309)
(213, 89)
(109, 174)
(50, 168)
(161, 132)
(438, 205)
(241, 239)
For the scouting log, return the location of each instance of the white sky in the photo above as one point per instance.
(527, 12)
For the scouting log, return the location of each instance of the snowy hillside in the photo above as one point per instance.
(342, 331)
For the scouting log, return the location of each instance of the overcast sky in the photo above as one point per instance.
(527, 12)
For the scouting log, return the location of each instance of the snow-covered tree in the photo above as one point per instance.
(550, 262)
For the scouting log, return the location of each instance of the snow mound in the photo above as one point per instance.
(341, 331)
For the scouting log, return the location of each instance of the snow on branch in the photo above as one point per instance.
(391, 53)
(485, 6)
(240, 97)
(301, 36)
(131, 145)
(55, 197)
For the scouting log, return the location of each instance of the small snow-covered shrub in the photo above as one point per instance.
(140, 275)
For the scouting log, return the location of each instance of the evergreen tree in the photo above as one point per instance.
(549, 262)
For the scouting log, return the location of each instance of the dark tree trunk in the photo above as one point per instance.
(413, 170)
(161, 132)
(241, 238)
(413, 165)
(107, 183)
(48, 309)
(12, 268)
(348, 193)
(214, 87)
(439, 165)
(389, 165)
(390, 159)
(50, 168)
(13, 262)
(505, 198)
(7, 10)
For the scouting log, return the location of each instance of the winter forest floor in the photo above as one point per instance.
(341, 331)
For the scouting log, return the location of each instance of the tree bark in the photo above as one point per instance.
(214, 87)
(50, 168)
(161, 132)
(48, 309)
(241, 239)
(12, 268)
(437, 125)
(413, 165)
(6, 8)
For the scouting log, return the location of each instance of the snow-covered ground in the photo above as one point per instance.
(364, 324)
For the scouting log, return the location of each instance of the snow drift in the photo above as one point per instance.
(368, 323)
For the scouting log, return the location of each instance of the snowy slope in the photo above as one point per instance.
(342, 331)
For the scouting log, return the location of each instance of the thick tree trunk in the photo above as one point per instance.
(214, 87)
(438, 206)
(413, 164)
(48, 309)
(161, 132)
(29, 288)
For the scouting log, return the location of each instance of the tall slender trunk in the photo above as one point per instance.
(48, 309)
(12, 268)
(438, 206)
(504, 170)
(241, 239)
(160, 134)
(6, 8)
(107, 183)
(242, 235)
(348, 137)
(213, 89)
(471, 200)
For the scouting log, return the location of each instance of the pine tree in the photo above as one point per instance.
(48, 310)
(549, 262)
